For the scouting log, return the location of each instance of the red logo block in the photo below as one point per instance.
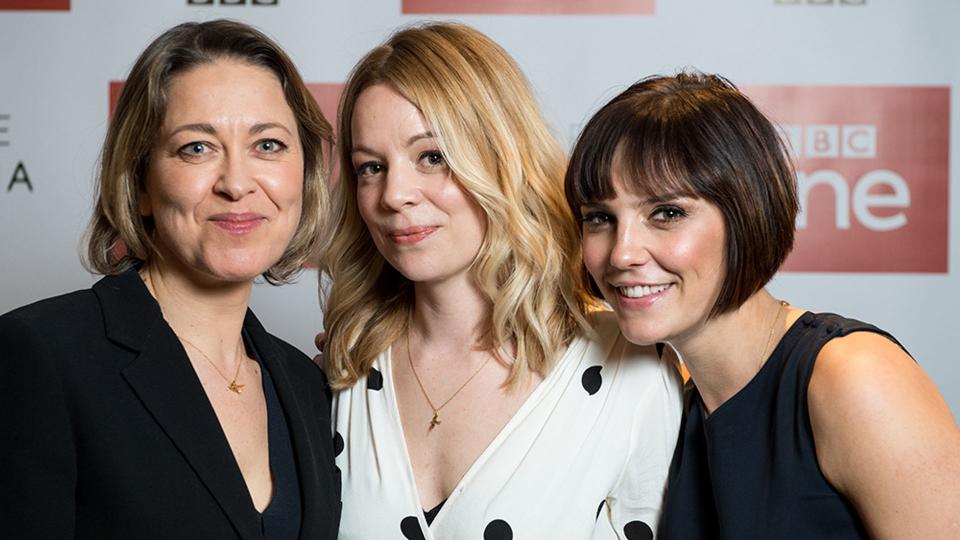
(529, 7)
(34, 5)
(114, 94)
(872, 172)
(328, 97)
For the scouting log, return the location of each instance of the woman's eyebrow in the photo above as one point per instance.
(203, 128)
(260, 128)
(420, 136)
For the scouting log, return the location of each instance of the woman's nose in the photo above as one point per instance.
(236, 178)
(631, 247)
(400, 189)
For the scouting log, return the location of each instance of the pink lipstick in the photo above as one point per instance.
(237, 223)
(411, 235)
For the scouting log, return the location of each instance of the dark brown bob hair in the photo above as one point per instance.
(118, 236)
(696, 135)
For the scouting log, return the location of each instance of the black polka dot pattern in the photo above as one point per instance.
(592, 380)
(498, 529)
(410, 527)
(660, 347)
(375, 379)
(637, 530)
(337, 443)
(599, 508)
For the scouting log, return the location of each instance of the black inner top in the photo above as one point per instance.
(432, 513)
(280, 520)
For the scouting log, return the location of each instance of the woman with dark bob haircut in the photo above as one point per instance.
(155, 405)
(799, 424)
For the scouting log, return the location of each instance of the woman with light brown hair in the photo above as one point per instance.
(155, 405)
(476, 395)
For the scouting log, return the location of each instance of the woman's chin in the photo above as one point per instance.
(238, 273)
(640, 333)
(229, 271)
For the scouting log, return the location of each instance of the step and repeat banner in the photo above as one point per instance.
(862, 89)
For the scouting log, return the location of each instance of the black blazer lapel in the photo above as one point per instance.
(316, 481)
(168, 387)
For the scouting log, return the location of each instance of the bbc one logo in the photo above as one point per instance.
(849, 142)
(872, 175)
(528, 7)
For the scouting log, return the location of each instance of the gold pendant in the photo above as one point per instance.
(434, 422)
(235, 388)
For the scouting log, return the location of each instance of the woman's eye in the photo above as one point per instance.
(432, 158)
(668, 214)
(193, 149)
(370, 168)
(271, 146)
(596, 220)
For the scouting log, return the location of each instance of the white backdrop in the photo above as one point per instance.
(57, 64)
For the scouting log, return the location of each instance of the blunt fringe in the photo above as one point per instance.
(118, 237)
(501, 152)
(696, 135)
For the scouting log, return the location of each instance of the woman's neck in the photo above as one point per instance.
(725, 352)
(451, 314)
(207, 315)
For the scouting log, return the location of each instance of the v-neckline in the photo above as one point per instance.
(522, 412)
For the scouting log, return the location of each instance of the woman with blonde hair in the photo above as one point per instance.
(476, 395)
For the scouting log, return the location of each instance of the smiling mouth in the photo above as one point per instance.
(640, 291)
(411, 235)
(238, 223)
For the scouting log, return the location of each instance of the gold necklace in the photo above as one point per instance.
(233, 386)
(435, 421)
(776, 317)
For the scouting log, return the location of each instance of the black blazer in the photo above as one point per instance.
(106, 432)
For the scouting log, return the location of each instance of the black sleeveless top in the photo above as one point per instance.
(750, 470)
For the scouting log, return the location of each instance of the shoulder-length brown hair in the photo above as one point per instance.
(118, 236)
(698, 135)
(500, 150)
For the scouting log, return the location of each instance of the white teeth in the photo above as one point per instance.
(640, 291)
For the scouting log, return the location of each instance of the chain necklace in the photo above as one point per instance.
(232, 386)
(773, 326)
(435, 421)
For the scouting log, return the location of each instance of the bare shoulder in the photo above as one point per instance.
(864, 370)
(884, 436)
(866, 382)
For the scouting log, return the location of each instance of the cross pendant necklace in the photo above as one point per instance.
(435, 421)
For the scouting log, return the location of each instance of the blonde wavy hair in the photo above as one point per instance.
(487, 123)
